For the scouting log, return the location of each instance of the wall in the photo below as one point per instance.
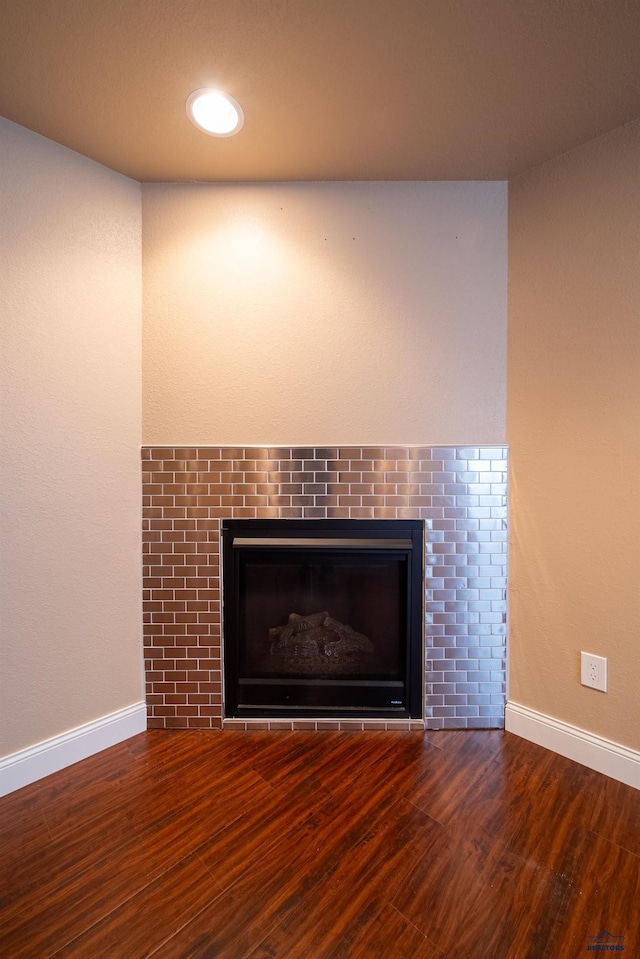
(324, 314)
(574, 429)
(71, 410)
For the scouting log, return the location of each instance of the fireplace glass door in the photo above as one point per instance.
(322, 618)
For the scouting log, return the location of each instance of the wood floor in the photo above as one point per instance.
(320, 845)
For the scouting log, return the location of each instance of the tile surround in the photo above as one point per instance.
(460, 493)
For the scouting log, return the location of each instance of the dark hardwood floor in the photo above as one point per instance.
(320, 845)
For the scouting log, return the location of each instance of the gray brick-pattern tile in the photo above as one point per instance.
(460, 493)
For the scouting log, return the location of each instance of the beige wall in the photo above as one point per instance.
(70, 433)
(324, 313)
(574, 430)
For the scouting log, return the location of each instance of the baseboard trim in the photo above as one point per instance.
(34, 763)
(603, 755)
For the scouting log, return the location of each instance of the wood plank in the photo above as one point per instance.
(166, 775)
(516, 810)
(282, 885)
(276, 887)
(70, 900)
(474, 898)
(126, 820)
(615, 812)
(603, 894)
(293, 759)
(135, 928)
(353, 887)
(246, 841)
(390, 927)
(455, 778)
(304, 845)
(354, 757)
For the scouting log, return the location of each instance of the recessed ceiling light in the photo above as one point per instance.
(215, 112)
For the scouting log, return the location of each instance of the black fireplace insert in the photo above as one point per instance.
(323, 618)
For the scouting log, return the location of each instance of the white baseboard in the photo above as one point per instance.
(603, 755)
(28, 765)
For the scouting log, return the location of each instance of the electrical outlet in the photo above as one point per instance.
(593, 671)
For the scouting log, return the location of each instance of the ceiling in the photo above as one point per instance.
(331, 89)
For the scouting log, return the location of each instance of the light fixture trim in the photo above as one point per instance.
(232, 113)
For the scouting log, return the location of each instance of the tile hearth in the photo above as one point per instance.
(459, 492)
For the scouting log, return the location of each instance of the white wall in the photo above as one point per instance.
(574, 432)
(325, 313)
(70, 585)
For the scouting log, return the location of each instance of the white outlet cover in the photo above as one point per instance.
(593, 671)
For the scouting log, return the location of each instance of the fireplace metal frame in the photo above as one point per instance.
(401, 538)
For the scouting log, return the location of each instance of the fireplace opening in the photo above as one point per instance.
(323, 618)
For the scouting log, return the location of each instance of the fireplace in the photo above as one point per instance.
(458, 492)
(323, 618)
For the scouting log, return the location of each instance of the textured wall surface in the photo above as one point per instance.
(70, 238)
(459, 492)
(324, 313)
(574, 433)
